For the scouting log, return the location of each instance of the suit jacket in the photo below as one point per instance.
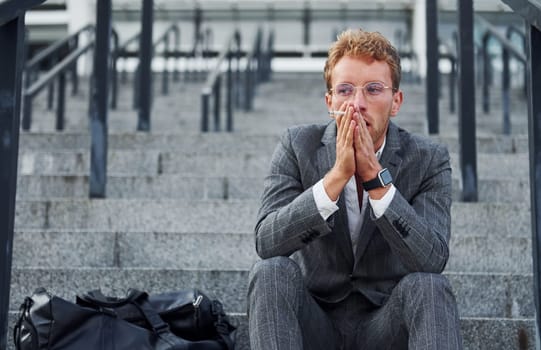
(411, 236)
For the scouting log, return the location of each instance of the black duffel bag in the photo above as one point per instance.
(183, 320)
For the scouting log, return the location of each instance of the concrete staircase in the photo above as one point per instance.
(181, 206)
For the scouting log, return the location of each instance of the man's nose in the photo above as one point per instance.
(358, 99)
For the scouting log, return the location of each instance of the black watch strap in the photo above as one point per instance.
(383, 179)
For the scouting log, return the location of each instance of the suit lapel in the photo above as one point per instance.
(391, 158)
(325, 158)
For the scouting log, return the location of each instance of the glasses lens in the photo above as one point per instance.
(374, 89)
(344, 90)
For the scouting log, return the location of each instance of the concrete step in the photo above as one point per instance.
(232, 216)
(251, 161)
(478, 295)
(478, 333)
(214, 250)
(226, 143)
(181, 186)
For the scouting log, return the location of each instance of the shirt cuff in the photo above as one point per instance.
(325, 205)
(380, 205)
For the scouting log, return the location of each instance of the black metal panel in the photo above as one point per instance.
(99, 102)
(534, 113)
(466, 98)
(432, 70)
(11, 44)
(10, 9)
(145, 66)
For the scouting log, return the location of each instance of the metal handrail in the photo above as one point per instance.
(164, 39)
(452, 58)
(52, 54)
(508, 49)
(253, 73)
(54, 48)
(172, 29)
(58, 71)
(213, 85)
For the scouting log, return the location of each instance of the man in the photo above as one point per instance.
(354, 223)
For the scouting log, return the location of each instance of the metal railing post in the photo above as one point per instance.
(217, 102)
(534, 136)
(466, 98)
(432, 70)
(205, 111)
(145, 67)
(114, 72)
(506, 127)
(229, 92)
(74, 76)
(165, 72)
(11, 43)
(487, 76)
(306, 21)
(61, 102)
(176, 75)
(99, 102)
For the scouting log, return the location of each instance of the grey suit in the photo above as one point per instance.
(410, 239)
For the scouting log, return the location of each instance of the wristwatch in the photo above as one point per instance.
(383, 179)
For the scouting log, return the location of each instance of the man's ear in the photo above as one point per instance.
(398, 98)
(328, 100)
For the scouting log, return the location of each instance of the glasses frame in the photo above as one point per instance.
(363, 87)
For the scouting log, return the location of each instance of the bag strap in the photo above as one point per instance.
(221, 324)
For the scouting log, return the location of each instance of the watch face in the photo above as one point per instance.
(385, 177)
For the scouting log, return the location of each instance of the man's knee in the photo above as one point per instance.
(275, 272)
(426, 285)
(425, 280)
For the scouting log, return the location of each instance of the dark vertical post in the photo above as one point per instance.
(306, 19)
(99, 99)
(61, 102)
(74, 76)
(11, 42)
(205, 101)
(432, 70)
(505, 92)
(487, 64)
(452, 86)
(217, 102)
(534, 137)
(466, 98)
(165, 74)
(229, 92)
(176, 75)
(114, 72)
(145, 69)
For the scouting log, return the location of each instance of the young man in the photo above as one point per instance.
(354, 224)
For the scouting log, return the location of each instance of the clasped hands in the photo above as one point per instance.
(355, 154)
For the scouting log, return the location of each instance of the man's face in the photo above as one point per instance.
(375, 106)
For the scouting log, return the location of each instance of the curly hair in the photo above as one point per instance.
(359, 43)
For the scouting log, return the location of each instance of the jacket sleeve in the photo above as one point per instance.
(418, 230)
(288, 218)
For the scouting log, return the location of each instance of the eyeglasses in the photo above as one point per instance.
(370, 90)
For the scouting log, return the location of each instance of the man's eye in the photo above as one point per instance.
(344, 90)
(374, 89)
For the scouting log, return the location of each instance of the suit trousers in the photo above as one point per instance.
(421, 313)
